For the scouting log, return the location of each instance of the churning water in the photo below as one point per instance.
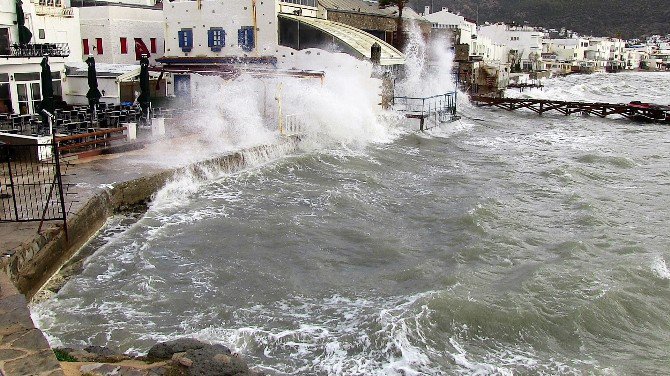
(498, 244)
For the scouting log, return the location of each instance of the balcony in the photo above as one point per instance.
(37, 50)
(53, 11)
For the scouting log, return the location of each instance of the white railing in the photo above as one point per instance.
(55, 11)
(293, 124)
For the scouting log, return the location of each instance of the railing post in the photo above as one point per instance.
(11, 183)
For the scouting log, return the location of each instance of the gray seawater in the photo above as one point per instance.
(501, 244)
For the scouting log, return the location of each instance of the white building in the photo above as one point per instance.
(54, 26)
(222, 37)
(525, 43)
(566, 50)
(464, 30)
(119, 34)
(490, 52)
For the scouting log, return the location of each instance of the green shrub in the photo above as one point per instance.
(63, 356)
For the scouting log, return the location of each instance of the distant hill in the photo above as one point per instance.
(625, 18)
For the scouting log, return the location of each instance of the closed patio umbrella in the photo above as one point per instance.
(47, 92)
(93, 93)
(143, 98)
(24, 33)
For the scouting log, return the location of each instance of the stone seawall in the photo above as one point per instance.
(36, 260)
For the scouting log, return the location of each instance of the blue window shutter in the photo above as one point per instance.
(210, 38)
(245, 38)
(189, 37)
(215, 38)
(250, 38)
(223, 38)
(185, 37)
(180, 37)
(240, 37)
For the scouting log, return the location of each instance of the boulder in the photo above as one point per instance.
(100, 350)
(211, 361)
(165, 350)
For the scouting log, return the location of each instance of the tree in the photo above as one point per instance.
(399, 41)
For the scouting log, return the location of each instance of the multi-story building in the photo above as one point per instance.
(524, 43)
(119, 33)
(458, 28)
(222, 37)
(38, 28)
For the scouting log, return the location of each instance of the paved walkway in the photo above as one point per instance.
(23, 348)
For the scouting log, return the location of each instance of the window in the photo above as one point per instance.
(40, 32)
(124, 45)
(22, 93)
(36, 95)
(5, 95)
(153, 45)
(245, 38)
(98, 45)
(185, 39)
(216, 38)
(4, 41)
(84, 42)
(58, 89)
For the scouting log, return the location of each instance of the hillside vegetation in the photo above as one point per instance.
(623, 18)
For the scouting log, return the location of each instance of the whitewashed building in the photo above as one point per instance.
(120, 33)
(524, 43)
(566, 50)
(54, 25)
(490, 52)
(465, 31)
(223, 37)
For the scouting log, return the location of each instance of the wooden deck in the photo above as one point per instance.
(640, 112)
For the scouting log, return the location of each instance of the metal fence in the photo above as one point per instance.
(39, 50)
(440, 108)
(31, 184)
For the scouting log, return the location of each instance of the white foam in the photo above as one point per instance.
(659, 268)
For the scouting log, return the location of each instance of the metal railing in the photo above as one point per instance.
(441, 108)
(31, 184)
(53, 10)
(307, 3)
(39, 50)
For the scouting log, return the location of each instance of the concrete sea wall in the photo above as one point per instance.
(34, 262)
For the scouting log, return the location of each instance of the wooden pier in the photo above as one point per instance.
(633, 110)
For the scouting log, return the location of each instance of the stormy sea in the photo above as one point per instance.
(499, 243)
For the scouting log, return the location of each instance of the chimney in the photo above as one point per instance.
(426, 10)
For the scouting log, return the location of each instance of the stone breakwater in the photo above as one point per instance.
(181, 357)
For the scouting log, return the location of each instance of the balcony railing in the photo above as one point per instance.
(55, 11)
(37, 50)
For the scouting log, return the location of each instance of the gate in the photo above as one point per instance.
(31, 184)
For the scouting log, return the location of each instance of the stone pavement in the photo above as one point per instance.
(23, 348)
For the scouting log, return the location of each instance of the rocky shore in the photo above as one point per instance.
(181, 357)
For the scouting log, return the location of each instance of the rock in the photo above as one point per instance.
(100, 350)
(83, 356)
(186, 362)
(209, 361)
(165, 350)
(221, 358)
